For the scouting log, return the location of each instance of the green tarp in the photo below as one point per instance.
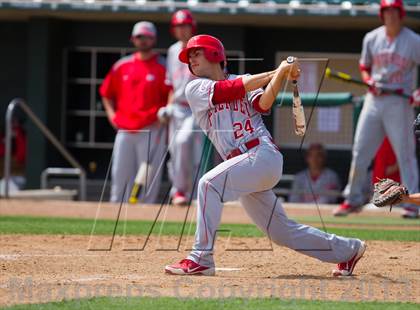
(323, 100)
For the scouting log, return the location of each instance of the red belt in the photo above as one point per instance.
(386, 92)
(247, 145)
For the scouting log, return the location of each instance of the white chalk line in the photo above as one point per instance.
(228, 269)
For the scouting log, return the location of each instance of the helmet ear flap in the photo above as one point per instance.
(212, 55)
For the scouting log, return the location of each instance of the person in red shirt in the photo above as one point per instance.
(386, 166)
(385, 163)
(132, 93)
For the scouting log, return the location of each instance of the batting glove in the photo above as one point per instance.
(164, 114)
(373, 88)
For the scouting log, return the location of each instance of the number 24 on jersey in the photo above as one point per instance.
(238, 128)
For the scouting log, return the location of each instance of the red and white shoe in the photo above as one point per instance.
(179, 199)
(346, 268)
(189, 267)
(345, 208)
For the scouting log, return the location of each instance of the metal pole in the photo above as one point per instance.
(50, 136)
(47, 133)
(44, 179)
(82, 193)
(8, 150)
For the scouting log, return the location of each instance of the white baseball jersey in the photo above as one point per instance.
(303, 185)
(228, 125)
(177, 73)
(248, 177)
(392, 62)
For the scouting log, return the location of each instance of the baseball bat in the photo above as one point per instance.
(350, 79)
(297, 108)
(298, 112)
(140, 181)
(144, 170)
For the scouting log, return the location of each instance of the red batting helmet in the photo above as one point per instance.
(392, 4)
(183, 17)
(213, 48)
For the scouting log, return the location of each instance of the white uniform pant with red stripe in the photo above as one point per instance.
(185, 147)
(382, 116)
(250, 177)
(131, 148)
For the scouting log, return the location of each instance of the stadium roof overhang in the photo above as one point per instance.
(294, 13)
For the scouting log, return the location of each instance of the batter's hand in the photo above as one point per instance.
(164, 114)
(415, 98)
(291, 70)
(372, 87)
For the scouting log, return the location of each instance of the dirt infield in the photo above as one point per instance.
(45, 268)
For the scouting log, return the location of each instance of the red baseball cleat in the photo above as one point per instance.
(189, 267)
(345, 208)
(346, 268)
(179, 199)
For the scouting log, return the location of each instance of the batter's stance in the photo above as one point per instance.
(228, 108)
(184, 137)
(132, 93)
(390, 56)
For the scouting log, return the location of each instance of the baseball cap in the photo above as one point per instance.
(144, 29)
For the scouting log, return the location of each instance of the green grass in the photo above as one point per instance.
(203, 304)
(70, 226)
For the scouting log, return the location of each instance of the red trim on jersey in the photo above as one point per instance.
(228, 90)
(257, 107)
(362, 67)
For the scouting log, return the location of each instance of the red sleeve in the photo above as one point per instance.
(365, 68)
(109, 87)
(228, 90)
(256, 105)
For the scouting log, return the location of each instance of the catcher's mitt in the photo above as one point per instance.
(387, 192)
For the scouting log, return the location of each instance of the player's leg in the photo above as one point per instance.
(123, 166)
(244, 174)
(266, 211)
(181, 159)
(157, 150)
(367, 139)
(399, 117)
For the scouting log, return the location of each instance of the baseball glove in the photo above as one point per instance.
(387, 192)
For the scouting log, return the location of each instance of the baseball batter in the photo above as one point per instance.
(228, 108)
(184, 135)
(132, 93)
(390, 55)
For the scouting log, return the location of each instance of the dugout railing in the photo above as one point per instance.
(78, 169)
